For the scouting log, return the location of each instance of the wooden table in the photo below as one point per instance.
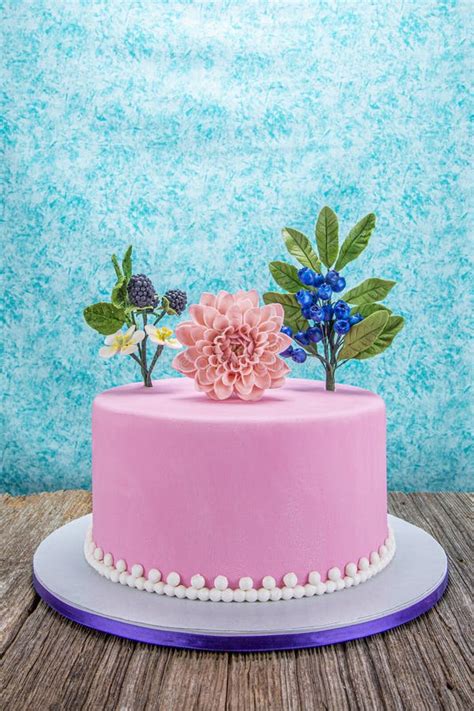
(52, 663)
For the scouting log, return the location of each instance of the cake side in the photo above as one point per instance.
(353, 574)
(293, 484)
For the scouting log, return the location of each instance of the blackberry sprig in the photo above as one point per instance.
(135, 304)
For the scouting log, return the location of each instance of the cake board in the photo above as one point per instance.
(410, 585)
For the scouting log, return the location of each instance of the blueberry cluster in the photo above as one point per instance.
(316, 306)
(141, 292)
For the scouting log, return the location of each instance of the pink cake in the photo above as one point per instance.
(237, 501)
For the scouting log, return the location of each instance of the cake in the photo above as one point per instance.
(239, 501)
(233, 483)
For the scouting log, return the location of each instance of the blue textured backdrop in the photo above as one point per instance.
(196, 131)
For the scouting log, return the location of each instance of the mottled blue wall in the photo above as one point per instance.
(196, 131)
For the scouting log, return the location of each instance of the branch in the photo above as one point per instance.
(158, 352)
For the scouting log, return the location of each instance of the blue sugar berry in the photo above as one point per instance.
(319, 279)
(331, 277)
(302, 338)
(342, 309)
(356, 318)
(327, 312)
(298, 355)
(306, 312)
(324, 292)
(304, 298)
(307, 276)
(339, 285)
(287, 352)
(314, 334)
(342, 326)
(287, 331)
(316, 314)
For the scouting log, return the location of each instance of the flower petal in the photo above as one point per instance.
(252, 317)
(172, 343)
(137, 337)
(129, 349)
(108, 340)
(222, 390)
(184, 333)
(220, 322)
(263, 380)
(224, 301)
(197, 313)
(107, 351)
(255, 394)
(284, 341)
(207, 299)
(184, 364)
(251, 295)
(234, 315)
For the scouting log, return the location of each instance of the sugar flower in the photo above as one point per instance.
(122, 342)
(233, 346)
(162, 336)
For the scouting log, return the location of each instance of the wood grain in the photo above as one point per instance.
(51, 663)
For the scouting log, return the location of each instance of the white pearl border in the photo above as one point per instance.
(354, 574)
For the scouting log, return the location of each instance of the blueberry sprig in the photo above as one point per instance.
(324, 326)
(329, 321)
(135, 304)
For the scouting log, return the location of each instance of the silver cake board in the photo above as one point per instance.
(410, 585)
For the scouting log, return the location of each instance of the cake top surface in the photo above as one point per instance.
(176, 398)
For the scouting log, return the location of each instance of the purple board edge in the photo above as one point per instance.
(240, 643)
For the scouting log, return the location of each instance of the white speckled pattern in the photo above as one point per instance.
(197, 131)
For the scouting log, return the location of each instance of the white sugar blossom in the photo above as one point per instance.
(162, 336)
(123, 342)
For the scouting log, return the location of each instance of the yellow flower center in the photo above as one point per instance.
(164, 333)
(122, 341)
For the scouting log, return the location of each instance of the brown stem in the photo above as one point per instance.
(158, 352)
(145, 372)
(330, 379)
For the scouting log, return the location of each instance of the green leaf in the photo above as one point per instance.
(363, 334)
(118, 271)
(127, 263)
(356, 241)
(368, 291)
(119, 293)
(327, 231)
(299, 246)
(104, 318)
(291, 307)
(368, 309)
(393, 326)
(286, 276)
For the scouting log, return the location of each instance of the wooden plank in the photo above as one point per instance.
(24, 522)
(50, 662)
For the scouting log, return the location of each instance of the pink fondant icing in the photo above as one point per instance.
(292, 483)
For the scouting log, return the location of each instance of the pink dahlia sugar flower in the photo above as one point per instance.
(233, 346)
